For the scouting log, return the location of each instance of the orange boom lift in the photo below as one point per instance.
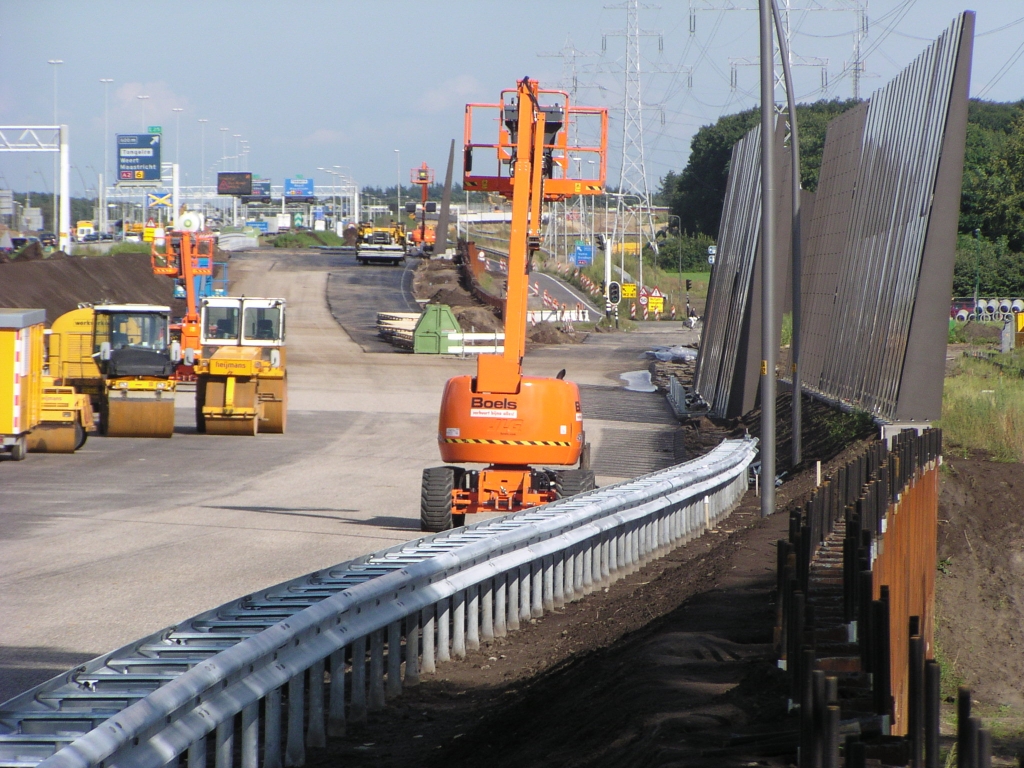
(501, 418)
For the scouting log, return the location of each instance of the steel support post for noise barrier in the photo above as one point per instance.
(316, 737)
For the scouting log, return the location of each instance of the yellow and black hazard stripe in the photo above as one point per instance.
(477, 441)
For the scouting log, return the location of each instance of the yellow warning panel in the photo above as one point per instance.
(629, 290)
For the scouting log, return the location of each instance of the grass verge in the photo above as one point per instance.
(983, 407)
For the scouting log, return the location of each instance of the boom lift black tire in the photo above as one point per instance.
(436, 499)
(569, 482)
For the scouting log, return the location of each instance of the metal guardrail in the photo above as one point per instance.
(361, 630)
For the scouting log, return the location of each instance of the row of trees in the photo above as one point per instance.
(992, 197)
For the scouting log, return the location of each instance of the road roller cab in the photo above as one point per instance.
(121, 355)
(241, 385)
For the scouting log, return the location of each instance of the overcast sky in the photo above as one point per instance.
(345, 83)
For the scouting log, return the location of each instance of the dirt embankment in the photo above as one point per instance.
(980, 584)
(58, 285)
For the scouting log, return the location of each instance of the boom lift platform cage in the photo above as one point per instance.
(561, 119)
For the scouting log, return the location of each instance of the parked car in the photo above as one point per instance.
(48, 238)
(92, 237)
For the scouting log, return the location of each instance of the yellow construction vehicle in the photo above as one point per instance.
(122, 357)
(241, 385)
(35, 415)
(381, 245)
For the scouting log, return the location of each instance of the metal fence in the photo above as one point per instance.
(273, 673)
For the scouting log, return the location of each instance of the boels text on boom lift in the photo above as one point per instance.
(501, 418)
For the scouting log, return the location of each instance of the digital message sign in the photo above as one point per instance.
(234, 183)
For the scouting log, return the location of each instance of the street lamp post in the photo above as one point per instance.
(398, 167)
(142, 101)
(202, 165)
(55, 63)
(104, 178)
(177, 133)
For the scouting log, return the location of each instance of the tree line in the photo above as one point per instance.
(990, 248)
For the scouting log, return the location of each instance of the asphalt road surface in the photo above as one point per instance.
(130, 535)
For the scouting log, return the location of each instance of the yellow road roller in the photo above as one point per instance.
(241, 383)
(122, 357)
(35, 415)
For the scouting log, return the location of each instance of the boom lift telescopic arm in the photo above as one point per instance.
(502, 374)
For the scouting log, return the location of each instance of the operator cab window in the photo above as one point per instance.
(222, 323)
(262, 324)
(141, 331)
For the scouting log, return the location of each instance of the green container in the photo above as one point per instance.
(431, 334)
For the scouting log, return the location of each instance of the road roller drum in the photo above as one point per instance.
(131, 417)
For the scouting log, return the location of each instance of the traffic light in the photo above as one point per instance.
(614, 292)
(600, 241)
(689, 284)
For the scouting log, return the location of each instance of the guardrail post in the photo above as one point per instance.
(251, 735)
(429, 625)
(579, 561)
(394, 684)
(295, 748)
(271, 733)
(500, 605)
(459, 625)
(225, 743)
(336, 708)
(197, 754)
(606, 558)
(548, 591)
(524, 593)
(473, 618)
(537, 589)
(487, 610)
(588, 568)
(558, 581)
(443, 630)
(376, 699)
(617, 552)
(412, 649)
(358, 710)
(513, 600)
(316, 738)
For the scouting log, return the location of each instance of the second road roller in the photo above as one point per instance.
(241, 383)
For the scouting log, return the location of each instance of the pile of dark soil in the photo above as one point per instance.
(453, 296)
(477, 319)
(549, 333)
(58, 285)
(978, 333)
(432, 275)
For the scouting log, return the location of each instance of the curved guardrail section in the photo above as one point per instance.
(281, 669)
